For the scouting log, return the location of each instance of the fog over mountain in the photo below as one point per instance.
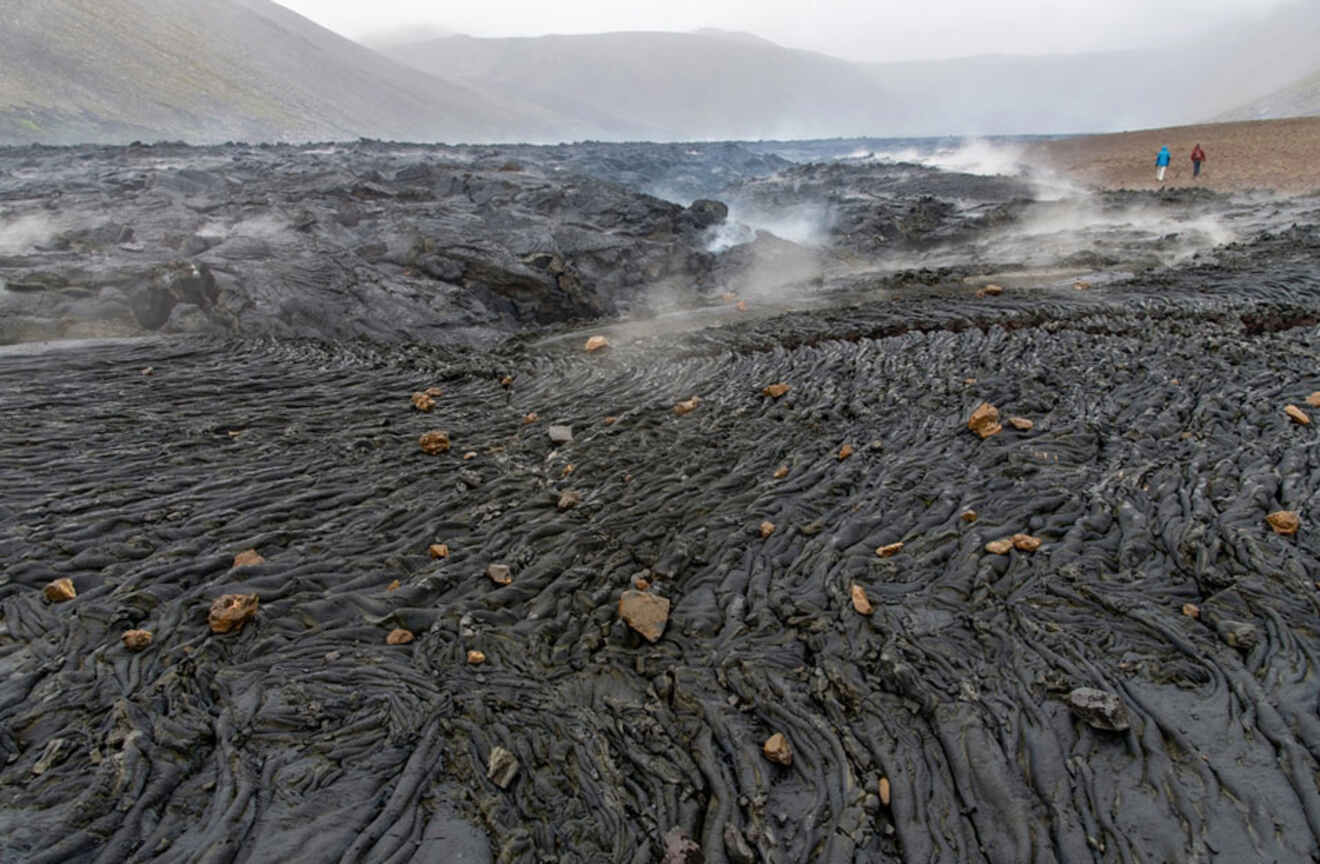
(118, 70)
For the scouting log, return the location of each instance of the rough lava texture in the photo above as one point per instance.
(1159, 450)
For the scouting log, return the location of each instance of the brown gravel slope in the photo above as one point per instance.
(1283, 155)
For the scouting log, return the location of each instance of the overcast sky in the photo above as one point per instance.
(856, 29)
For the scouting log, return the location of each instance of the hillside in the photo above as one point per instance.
(1299, 99)
(116, 70)
(670, 86)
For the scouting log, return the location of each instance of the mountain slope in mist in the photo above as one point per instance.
(1299, 99)
(670, 86)
(115, 70)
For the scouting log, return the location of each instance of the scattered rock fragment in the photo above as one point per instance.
(1000, 547)
(985, 420)
(1026, 543)
(1082, 286)
(475, 657)
(471, 479)
(767, 528)
(597, 343)
(1284, 522)
(503, 767)
(845, 451)
(60, 590)
(687, 406)
(399, 636)
(150, 370)
(136, 640)
(993, 290)
(433, 392)
(680, 849)
(569, 499)
(506, 382)
(774, 391)
(1191, 610)
(530, 418)
(248, 558)
(778, 750)
(568, 469)
(1297, 414)
(641, 583)
(644, 612)
(1238, 634)
(560, 434)
(230, 612)
(1314, 399)
(741, 306)
(969, 516)
(781, 472)
(1022, 424)
(884, 791)
(729, 297)
(393, 586)
(610, 421)
(438, 550)
(469, 455)
(890, 550)
(1099, 709)
(499, 574)
(422, 402)
(434, 442)
(860, 601)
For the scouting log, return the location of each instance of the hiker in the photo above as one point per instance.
(1198, 156)
(1161, 163)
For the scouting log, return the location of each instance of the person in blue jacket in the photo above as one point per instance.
(1161, 163)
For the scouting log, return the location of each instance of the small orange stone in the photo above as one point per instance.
(767, 528)
(1022, 424)
(434, 442)
(742, 306)
(439, 550)
(393, 586)
(777, 749)
(60, 590)
(469, 455)
(434, 392)
(774, 391)
(136, 640)
(610, 421)
(1297, 414)
(531, 418)
(422, 402)
(499, 574)
(476, 658)
(597, 343)
(884, 791)
(781, 472)
(1191, 610)
(1314, 399)
(1026, 543)
(845, 451)
(969, 516)
(1000, 547)
(1284, 522)
(399, 636)
(248, 558)
(993, 290)
(860, 601)
(230, 612)
(985, 420)
(891, 549)
(641, 583)
(568, 469)
(687, 406)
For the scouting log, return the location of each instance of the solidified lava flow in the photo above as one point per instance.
(1140, 686)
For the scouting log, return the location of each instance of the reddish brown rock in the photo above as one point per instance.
(60, 590)
(884, 791)
(438, 550)
(1284, 522)
(434, 442)
(570, 499)
(568, 469)
(741, 306)
(890, 550)
(393, 586)
(777, 749)
(860, 601)
(993, 290)
(1082, 286)
(774, 391)
(1000, 547)
(1314, 399)
(845, 451)
(1026, 543)
(597, 343)
(399, 636)
(422, 402)
(687, 406)
(1191, 610)
(433, 392)
(469, 455)
(1297, 414)
(475, 658)
(248, 558)
(610, 421)
(644, 612)
(969, 516)
(767, 528)
(136, 640)
(531, 418)
(499, 574)
(506, 382)
(985, 420)
(1022, 424)
(230, 612)
(781, 472)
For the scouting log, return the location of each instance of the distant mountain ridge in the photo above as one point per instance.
(115, 70)
(1299, 99)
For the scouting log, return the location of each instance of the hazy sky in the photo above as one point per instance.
(857, 29)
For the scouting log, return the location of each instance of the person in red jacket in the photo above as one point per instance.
(1198, 156)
